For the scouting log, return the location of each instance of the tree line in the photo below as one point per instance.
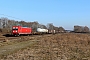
(81, 29)
(6, 26)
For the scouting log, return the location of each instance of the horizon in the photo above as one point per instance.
(60, 12)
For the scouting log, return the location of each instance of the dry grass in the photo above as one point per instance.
(68, 46)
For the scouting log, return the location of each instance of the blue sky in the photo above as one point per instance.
(65, 13)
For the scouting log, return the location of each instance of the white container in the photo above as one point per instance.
(42, 30)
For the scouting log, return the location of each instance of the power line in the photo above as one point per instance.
(11, 16)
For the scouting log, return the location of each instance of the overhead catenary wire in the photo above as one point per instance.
(10, 16)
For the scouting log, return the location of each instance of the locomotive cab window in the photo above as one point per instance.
(15, 29)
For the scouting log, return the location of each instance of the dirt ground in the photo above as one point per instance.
(65, 46)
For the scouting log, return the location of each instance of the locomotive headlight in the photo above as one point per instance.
(16, 31)
(13, 31)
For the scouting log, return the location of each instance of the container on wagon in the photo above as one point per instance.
(42, 30)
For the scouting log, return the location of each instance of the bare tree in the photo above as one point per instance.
(50, 26)
(42, 26)
(4, 22)
(81, 29)
(1, 23)
(61, 29)
(35, 26)
(78, 29)
(86, 29)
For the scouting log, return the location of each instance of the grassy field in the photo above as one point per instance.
(13, 47)
(67, 46)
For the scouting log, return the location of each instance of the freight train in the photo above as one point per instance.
(19, 30)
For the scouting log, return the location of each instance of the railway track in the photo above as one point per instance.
(20, 38)
(2, 38)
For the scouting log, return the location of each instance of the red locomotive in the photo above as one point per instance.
(19, 30)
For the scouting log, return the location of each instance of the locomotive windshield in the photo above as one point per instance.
(15, 29)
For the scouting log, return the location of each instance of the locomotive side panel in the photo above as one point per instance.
(25, 30)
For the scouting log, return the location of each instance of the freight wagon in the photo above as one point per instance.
(51, 31)
(19, 30)
(42, 31)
